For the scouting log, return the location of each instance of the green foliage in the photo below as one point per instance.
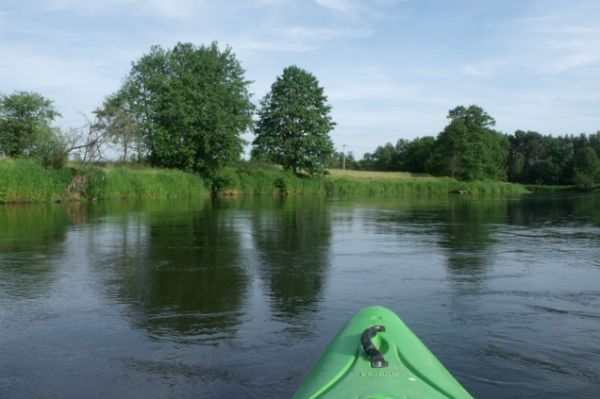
(224, 180)
(27, 181)
(191, 104)
(24, 180)
(126, 183)
(537, 159)
(468, 149)
(50, 150)
(24, 122)
(294, 124)
(413, 154)
(117, 121)
(385, 158)
(254, 179)
(587, 168)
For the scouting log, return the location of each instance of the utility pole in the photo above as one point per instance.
(344, 157)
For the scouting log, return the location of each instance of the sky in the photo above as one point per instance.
(391, 69)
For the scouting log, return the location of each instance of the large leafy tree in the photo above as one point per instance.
(191, 103)
(294, 123)
(25, 123)
(468, 148)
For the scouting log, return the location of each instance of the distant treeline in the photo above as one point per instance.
(469, 149)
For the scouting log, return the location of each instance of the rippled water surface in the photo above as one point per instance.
(238, 298)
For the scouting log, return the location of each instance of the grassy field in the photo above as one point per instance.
(372, 175)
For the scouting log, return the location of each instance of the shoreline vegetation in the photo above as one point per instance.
(176, 125)
(26, 181)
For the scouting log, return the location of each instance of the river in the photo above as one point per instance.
(237, 298)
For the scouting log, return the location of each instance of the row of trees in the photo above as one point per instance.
(186, 108)
(470, 149)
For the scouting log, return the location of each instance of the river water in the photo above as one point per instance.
(237, 298)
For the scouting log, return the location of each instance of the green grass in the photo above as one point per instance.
(543, 189)
(364, 174)
(148, 183)
(253, 179)
(27, 181)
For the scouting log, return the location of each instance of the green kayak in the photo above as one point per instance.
(376, 356)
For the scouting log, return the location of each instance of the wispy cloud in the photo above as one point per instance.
(343, 6)
(322, 33)
(361, 9)
(531, 65)
(170, 8)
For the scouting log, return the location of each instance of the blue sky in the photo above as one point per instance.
(391, 69)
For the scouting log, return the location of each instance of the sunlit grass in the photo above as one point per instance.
(364, 174)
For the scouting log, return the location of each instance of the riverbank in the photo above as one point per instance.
(27, 181)
(248, 180)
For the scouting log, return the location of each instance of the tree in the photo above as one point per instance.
(191, 105)
(587, 168)
(294, 123)
(385, 158)
(413, 154)
(24, 123)
(468, 148)
(119, 125)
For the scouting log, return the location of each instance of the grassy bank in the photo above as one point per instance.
(27, 181)
(542, 189)
(249, 180)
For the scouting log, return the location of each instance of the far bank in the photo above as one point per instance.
(24, 181)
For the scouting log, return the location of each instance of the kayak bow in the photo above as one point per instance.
(376, 356)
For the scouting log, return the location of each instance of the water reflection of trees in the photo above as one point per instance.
(31, 238)
(180, 271)
(293, 239)
(462, 228)
(466, 234)
(561, 210)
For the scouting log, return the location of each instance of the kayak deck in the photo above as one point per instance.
(410, 370)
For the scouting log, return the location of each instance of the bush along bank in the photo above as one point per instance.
(28, 181)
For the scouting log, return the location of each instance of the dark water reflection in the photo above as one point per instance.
(238, 298)
(292, 241)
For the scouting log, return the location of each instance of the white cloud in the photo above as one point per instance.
(361, 9)
(551, 43)
(322, 33)
(343, 6)
(162, 8)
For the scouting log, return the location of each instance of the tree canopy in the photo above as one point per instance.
(191, 103)
(468, 148)
(294, 123)
(587, 168)
(25, 119)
